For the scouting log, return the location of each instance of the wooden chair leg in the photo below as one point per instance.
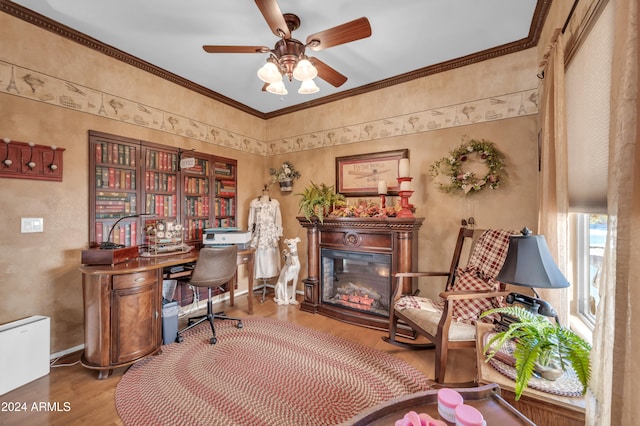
(441, 361)
(393, 326)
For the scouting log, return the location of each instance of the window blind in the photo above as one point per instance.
(588, 86)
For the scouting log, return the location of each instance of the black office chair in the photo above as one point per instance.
(215, 266)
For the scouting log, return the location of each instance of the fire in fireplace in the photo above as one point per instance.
(355, 280)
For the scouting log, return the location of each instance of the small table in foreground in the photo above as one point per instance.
(541, 407)
(486, 399)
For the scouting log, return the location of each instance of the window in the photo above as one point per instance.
(588, 86)
(591, 236)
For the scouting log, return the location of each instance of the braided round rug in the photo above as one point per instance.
(268, 373)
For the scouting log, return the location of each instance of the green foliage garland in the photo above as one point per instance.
(459, 179)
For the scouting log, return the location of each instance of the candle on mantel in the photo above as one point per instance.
(382, 187)
(405, 186)
(403, 167)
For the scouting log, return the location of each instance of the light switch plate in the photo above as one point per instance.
(31, 224)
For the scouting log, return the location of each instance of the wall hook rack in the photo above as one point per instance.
(27, 160)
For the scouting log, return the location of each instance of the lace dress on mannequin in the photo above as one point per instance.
(265, 222)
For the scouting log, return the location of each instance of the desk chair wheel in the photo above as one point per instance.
(213, 340)
(179, 339)
(240, 325)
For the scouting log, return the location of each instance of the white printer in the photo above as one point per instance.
(225, 236)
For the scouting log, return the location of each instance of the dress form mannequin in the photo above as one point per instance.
(265, 223)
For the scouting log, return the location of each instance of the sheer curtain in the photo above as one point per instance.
(554, 201)
(614, 388)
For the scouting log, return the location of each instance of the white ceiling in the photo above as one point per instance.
(407, 35)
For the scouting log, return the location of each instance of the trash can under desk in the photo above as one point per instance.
(170, 313)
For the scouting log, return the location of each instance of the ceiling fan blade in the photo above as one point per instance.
(350, 31)
(327, 73)
(272, 14)
(235, 49)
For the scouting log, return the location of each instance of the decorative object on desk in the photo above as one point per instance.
(327, 370)
(285, 175)
(164, 238)
(536, 340)
(98, 256)
(473, 166)
(530, 264)
(289, 272)
(319, 200)
(110, 245)
(109, 253)
(358, 175)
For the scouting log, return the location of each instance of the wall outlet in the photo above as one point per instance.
(31, 224)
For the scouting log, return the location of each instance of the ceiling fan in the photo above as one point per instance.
(288, 57)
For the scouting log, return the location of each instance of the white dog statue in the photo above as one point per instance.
(289, 272)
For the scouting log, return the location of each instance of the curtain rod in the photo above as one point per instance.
(566, 23)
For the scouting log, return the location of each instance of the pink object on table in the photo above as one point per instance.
(414, 419)
(467, 415)
(448, 400)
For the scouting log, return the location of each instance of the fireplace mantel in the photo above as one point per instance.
(397, 237)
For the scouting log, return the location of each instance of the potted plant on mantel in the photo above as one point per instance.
(319, 200)
(540, 346)
(285, 175)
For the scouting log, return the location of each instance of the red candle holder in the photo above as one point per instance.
(383, 201)
(404, 199)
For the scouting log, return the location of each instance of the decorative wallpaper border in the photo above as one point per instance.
(19, 81)
(491, 109)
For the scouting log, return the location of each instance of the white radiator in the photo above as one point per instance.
(24, 351)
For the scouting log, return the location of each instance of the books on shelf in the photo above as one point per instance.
(131, 176)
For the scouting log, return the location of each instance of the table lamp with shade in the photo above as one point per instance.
(529, 264)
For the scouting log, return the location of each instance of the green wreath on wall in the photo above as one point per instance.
(456, 173)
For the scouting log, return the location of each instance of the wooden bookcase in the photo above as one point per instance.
(129, 177)
(113, 189)
(196, 190)
(225, 194)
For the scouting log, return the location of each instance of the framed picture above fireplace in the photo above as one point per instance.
(359, 175)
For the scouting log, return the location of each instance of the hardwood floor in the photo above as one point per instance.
(72, 395)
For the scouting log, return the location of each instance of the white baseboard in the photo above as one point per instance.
(66, 352)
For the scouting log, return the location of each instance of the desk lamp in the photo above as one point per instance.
(108, 244)
(529, 264)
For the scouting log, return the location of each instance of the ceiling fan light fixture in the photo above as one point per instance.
(308, 87)
(269, 73)
(305, 70)
(277, 88)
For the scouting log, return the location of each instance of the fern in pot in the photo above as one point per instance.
(319, 200)
(541, 347)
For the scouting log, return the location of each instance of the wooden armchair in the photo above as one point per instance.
(449, 323)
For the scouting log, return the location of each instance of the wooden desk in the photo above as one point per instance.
(122, 308)
(541, 407)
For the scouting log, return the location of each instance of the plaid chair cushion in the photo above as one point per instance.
(484, 264)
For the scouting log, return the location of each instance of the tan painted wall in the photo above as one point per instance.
(39, 272)
(481, 86)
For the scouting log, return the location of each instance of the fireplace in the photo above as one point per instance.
(350, 266)
(356, 281)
